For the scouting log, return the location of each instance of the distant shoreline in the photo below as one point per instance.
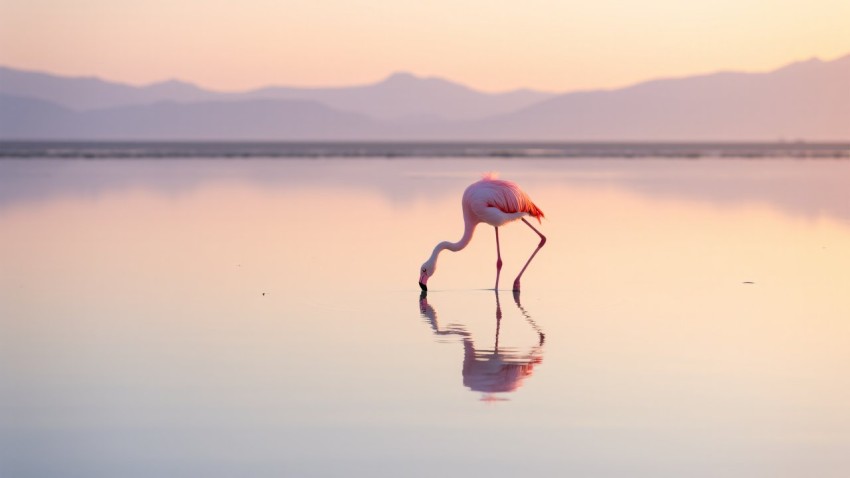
(419, 149)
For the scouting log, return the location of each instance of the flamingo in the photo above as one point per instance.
(495, 202)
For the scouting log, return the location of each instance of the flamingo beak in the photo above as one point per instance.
(423, 279)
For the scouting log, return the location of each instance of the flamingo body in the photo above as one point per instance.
(498, 202)
(495, 202)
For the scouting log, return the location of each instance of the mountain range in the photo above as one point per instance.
(807, 100)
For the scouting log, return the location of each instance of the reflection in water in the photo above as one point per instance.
(133, 329)
(490, 370)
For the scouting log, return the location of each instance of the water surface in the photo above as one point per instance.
(261, 318)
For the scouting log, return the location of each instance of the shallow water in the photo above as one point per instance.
(262, 318)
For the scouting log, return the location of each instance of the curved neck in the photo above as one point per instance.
(468, 230)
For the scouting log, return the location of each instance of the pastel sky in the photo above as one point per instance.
(494, 45)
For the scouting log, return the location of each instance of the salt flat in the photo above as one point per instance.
(262, 318)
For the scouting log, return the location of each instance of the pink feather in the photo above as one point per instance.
(508, 197)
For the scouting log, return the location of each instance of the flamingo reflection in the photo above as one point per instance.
(490, 370)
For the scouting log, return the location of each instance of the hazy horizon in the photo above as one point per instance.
(799, 101)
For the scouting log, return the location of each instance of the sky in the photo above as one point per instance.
(492, 45)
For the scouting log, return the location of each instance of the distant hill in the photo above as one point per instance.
(32, 119)
(401, 96)
(409, 98)
(807, 100)
(803, 101)
(86, 93)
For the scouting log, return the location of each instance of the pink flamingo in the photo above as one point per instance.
(495, 202)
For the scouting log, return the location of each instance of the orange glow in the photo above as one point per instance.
(555, 46)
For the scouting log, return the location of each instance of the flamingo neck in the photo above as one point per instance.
(468, 230)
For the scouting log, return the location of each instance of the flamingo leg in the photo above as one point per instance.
(498, 259)
(542, 241)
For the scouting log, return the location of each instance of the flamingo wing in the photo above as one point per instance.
(497, 202)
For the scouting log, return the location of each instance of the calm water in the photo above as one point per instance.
(225, 318)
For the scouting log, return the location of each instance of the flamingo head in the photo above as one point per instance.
(425, 272)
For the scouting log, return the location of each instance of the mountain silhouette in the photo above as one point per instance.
(807, 100)
(83, 93)
(803, 101)
(401, 96)
(405, 97)
(248, 120)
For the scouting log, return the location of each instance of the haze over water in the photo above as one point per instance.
(261, 317)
